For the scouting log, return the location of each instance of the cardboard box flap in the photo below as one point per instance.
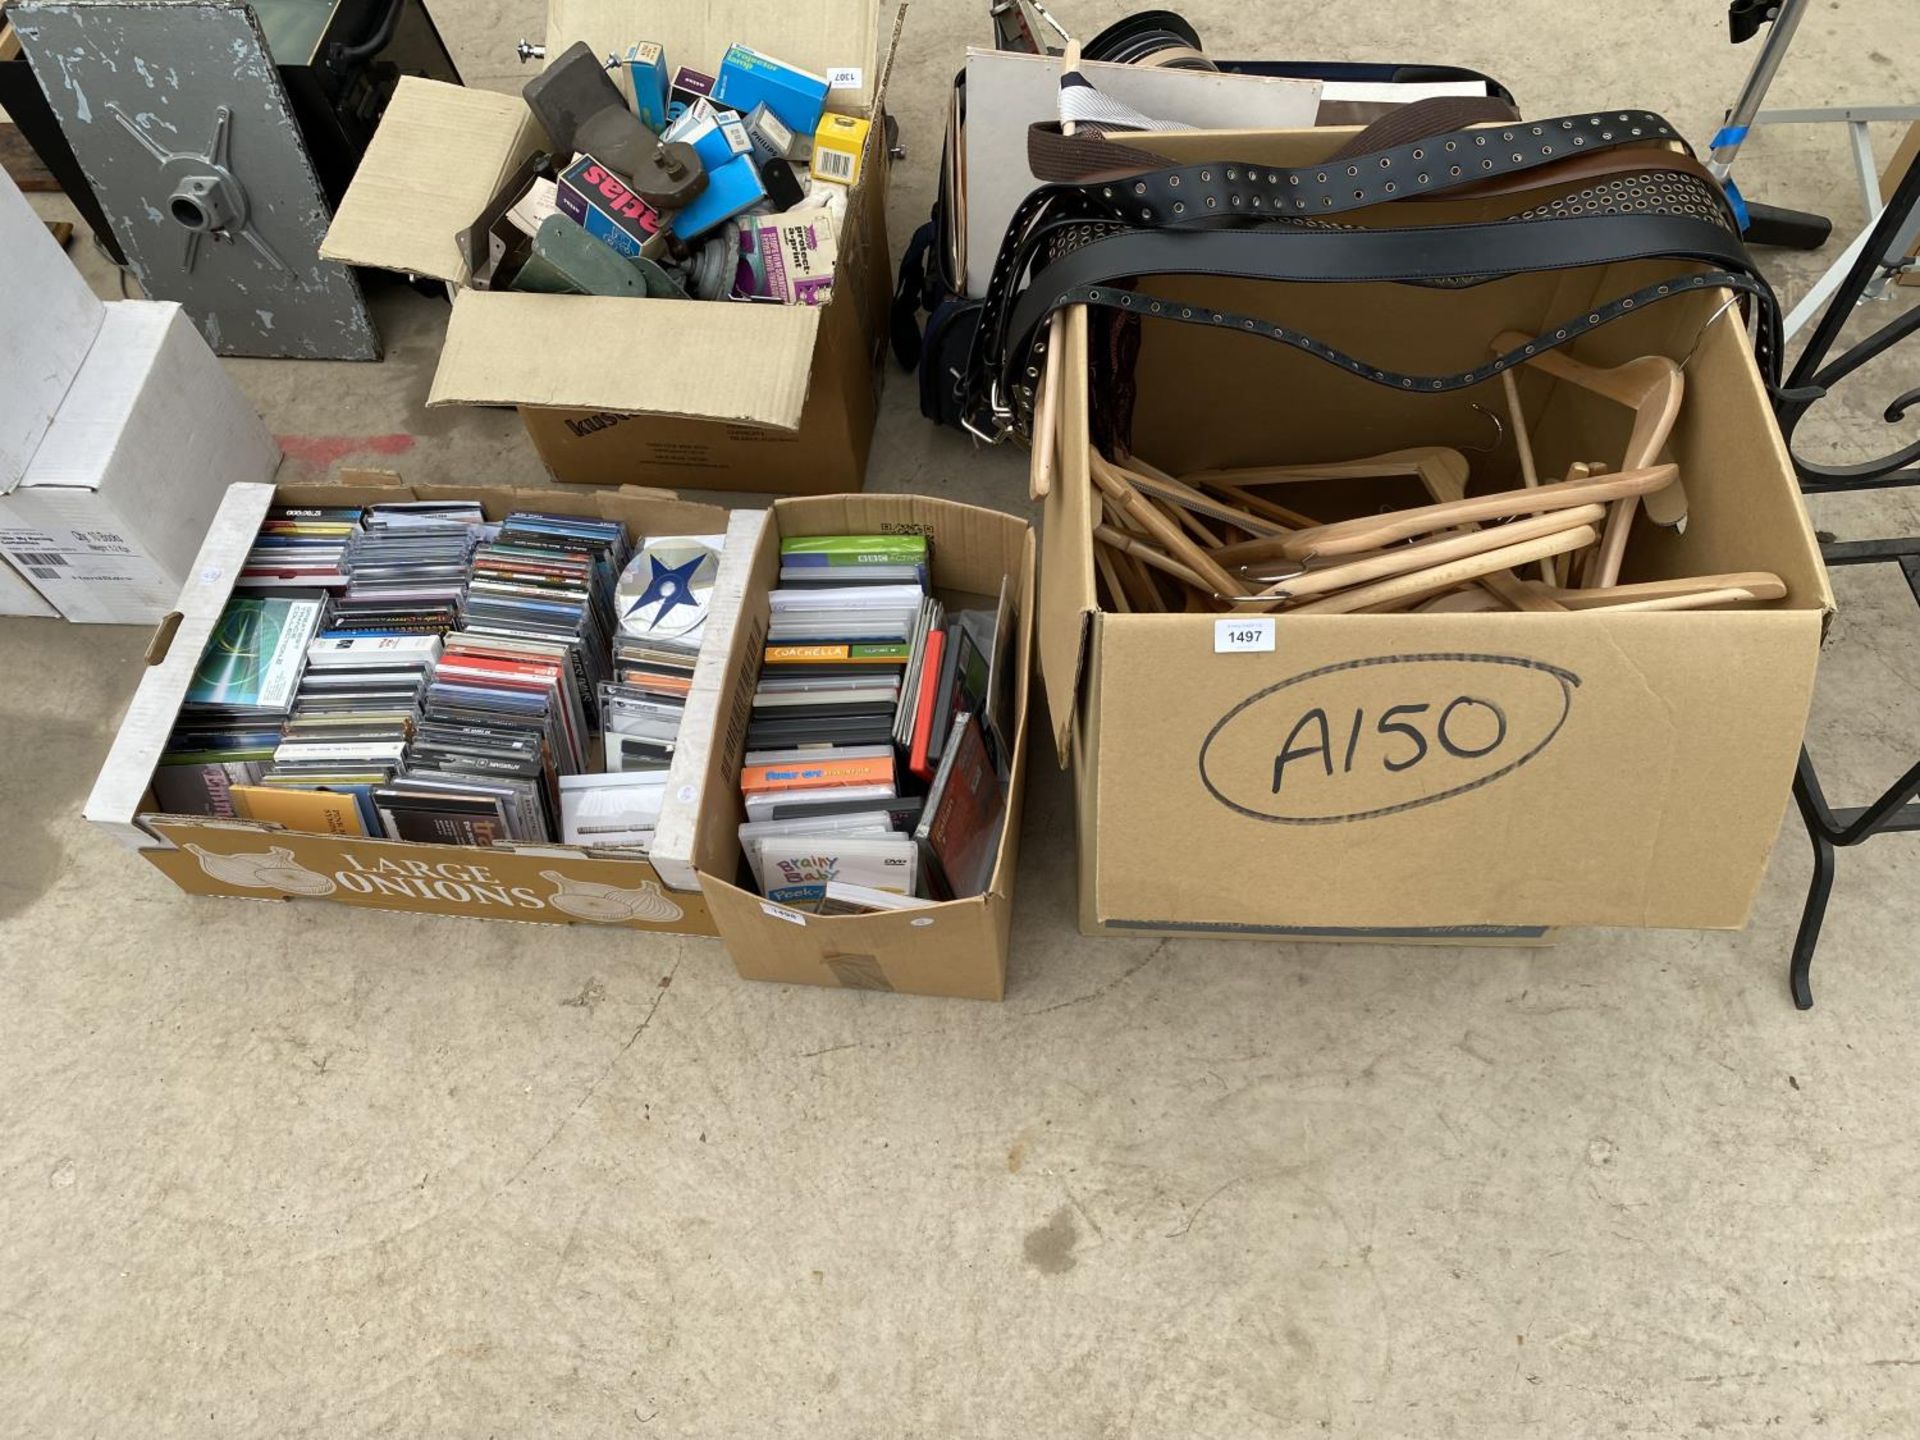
(440, 154)
(122, 786)
(1066, 596)
(816, 35)
(699, 359)
(681, 843)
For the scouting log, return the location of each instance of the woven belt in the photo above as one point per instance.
(1086, 244)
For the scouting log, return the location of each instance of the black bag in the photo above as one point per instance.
(933, 321)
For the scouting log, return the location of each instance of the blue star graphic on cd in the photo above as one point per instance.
(670, 585)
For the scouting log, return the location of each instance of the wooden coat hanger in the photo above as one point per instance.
(1468, 600)
(1372, 532)
(1690, 592)
(1161, 486)
(1171, 538)
(1442, 471)
(1652, 387)
(1425, 554)
(1447, 576)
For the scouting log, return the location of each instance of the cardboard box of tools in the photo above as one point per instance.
(1431, 776)
(720, 395)
(958, 948)
(555, 884)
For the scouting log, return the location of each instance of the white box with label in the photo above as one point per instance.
(48, 320)
(112, 507)
(19, 598)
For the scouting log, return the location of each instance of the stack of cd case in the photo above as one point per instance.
(512, 703)
(872, 763)
(663, 599)
(352, 721)
(238, 700)
(302, 549)
(444, 675)
(550, 578)
(408, 567)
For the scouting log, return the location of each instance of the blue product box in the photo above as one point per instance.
(647, 69)
(747, 78)
(716, 138)
(731, 188)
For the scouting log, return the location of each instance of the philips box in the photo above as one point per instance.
(716, 138)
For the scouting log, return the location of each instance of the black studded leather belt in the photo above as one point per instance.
(1096, 242)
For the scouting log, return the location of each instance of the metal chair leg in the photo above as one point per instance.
(1812, 917)
(1828, 829)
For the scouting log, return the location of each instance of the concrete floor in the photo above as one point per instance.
(299, 1170)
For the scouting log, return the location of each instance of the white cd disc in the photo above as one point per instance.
(665, 590)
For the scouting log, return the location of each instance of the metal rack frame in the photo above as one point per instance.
(1813, 378)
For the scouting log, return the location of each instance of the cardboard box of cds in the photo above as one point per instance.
(326, 857)
(729, 395)
(956, 819)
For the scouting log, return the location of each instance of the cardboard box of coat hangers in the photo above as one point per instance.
(720, 395)
(1444, 777)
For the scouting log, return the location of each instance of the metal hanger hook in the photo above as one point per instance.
(1499, 432)
(1693, 349)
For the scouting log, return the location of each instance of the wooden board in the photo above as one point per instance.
(23, 167)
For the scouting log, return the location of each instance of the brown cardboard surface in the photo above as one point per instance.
(954, 949)
(816, 35)
(826, 454)
(605, 447)
(438, 157)
(1559, 769)
(555, 886)
(709, 360)
(552, 884)
(1066, 569)
(1602, 769)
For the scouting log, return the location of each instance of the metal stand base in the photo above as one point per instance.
(1813, 377)
(1795, 229)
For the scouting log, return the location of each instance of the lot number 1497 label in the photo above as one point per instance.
(1243, 632)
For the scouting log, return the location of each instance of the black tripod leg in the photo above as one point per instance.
(1786, 229)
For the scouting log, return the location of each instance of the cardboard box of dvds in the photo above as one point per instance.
(1466, 778)
(956, 948)
(553, 884)
(723, 395)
